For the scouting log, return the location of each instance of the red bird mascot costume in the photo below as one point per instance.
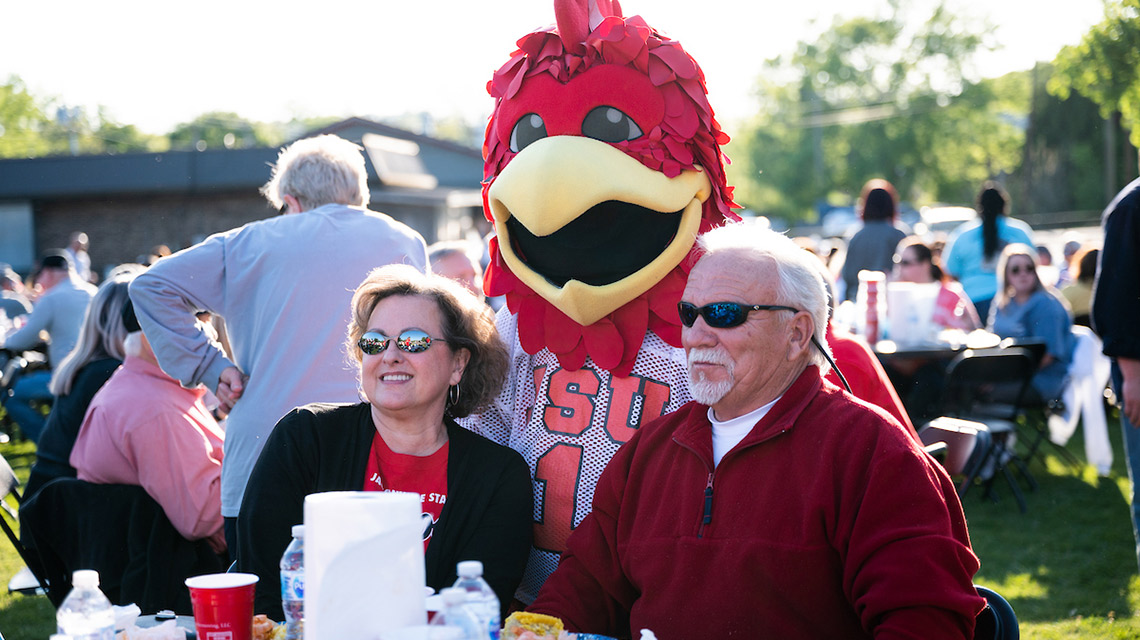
(602, 163)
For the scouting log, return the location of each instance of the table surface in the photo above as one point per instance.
(949, 345)
(186, 622)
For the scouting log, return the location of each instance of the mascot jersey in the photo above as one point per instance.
(567, 424)
(602, 162)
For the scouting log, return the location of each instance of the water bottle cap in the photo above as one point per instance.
(453, 596)
(85, 578)
(299, 531)
(469, 569)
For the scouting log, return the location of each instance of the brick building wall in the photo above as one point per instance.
(123, 228)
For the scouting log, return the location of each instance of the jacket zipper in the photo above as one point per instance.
(706, 517)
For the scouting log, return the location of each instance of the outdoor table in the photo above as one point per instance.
(186, 622)
(917, 370)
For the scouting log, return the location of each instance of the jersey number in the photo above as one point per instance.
(568, 410)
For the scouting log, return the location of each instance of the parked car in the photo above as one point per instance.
(940, 221)
(841, 222)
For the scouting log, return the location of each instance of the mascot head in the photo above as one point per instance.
(602, 164)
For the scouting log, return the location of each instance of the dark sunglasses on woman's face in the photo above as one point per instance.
(722, 315)
(1018, 269)
(409, 341)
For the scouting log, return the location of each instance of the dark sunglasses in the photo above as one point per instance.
(722, 315)
(409, 341)
(1018, 269)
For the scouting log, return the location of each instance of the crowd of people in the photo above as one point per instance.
(356, 371)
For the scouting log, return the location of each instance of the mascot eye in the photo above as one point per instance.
(528, 129)
(609, 125)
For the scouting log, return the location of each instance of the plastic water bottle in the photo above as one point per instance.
(86, 613)
(293, 585)
(481, 598)
(457, 615)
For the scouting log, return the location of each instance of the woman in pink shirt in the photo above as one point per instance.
(915, 262)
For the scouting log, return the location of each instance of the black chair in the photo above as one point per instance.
(1036, 410)
(998, 620)
(8, 487)
(121, 532)
(988, 386)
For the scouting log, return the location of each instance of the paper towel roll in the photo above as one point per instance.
(364, 564)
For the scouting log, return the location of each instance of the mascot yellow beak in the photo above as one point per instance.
(575, 205)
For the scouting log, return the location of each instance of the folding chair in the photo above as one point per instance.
(8, 487)
(121, 532)
(998, 620)
(1039, 412)
(971, 379)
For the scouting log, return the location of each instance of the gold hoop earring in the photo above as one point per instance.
(453, 395)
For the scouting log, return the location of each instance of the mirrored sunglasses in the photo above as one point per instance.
(409, 341)
(722, 315)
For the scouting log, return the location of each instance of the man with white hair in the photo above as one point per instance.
(284, 287)
(775, 504)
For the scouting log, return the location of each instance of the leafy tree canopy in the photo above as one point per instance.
(31, 127)
(1105, 65)
(886, 97)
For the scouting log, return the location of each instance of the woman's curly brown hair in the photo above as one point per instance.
(468, 324)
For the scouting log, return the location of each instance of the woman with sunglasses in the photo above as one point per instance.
(915, 262)
(1025, 308)
(427, 352)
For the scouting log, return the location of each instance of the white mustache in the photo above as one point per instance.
(698, 355)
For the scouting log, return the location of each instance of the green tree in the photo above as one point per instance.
(223, 130)
(1105, 68)
(876, 97)
(31, 127)
(23, 122)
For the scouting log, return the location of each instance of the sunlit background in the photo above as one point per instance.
(156, 64)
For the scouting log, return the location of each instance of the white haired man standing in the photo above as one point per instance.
(284, 287)
(775, 504)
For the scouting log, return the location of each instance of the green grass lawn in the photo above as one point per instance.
(1068, 566)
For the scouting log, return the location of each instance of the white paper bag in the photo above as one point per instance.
(364, 564)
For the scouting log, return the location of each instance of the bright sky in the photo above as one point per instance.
(157, 63)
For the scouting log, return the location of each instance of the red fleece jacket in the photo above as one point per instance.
(826, 521)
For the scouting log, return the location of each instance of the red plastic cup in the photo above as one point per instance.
(223, 605)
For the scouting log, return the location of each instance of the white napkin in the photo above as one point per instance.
(126, 615)
(168, 630)
(364, 564)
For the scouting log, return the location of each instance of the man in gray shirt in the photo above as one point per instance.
(284, 287)
(58, 312)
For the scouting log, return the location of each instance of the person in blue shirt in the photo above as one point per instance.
(1026, 308)
(972, 250)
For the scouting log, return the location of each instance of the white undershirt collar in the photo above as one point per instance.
(727, 434)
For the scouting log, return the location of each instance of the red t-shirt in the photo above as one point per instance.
(425, 475)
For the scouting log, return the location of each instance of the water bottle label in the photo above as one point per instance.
(292, 586)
